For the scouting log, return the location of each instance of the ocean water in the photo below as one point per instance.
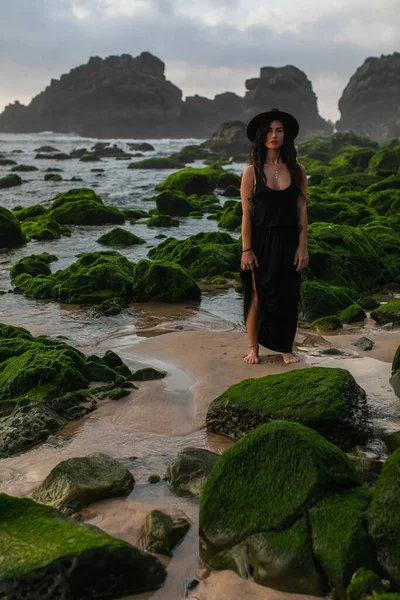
(122, 188)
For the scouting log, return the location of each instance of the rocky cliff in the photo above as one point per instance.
(370, 104)
(119, 96)
(288, 89)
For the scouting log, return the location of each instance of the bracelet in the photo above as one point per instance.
(247, 250)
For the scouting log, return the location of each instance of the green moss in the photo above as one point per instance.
(369, 303)
(147, 374)
(387, 313)
(326, 148)
(279, 460)
(320, 299)
(326, 324)
(231, 217)
(83, 207)
(89, 158)
(120, 237)
(35, 264)
(386, 160)
(27, 213)
(162, 221)
(384, 518)
(193, 181)
(52, 177)
(174, 203)
(37, 543)
(135, 213)
(325, 399)
(365, 585)
(352, 314)
(202, 255)
(341, 543)
(165, 282)
(44, 229)
(11, 235)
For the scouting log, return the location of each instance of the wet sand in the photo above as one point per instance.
(148, 428)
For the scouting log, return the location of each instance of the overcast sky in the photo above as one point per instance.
(208, 46)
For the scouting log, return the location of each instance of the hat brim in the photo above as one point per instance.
(290, 123)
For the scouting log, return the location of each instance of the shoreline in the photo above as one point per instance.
(162, 417)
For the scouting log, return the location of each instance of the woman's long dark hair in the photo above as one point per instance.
(258, 154)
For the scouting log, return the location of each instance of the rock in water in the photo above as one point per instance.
(288, 89)
(11, 235)
(364, 343)
(76, 482)
(369, 103)
(230, 138)
(327, 400)
(162, 532)
(46, 556)
(187, 474)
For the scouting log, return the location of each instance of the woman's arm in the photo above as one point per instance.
(301, 257)
(246, 193)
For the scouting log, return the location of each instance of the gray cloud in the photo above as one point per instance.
(43, 39)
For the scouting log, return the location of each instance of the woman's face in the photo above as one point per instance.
(275, 135)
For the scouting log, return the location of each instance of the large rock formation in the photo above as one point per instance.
(120, 96)
(288, 89)
(370, 102)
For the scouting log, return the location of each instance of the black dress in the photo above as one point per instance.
(274, 238)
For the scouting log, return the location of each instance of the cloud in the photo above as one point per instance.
(209, 46)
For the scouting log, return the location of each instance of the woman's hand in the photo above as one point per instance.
(301, 258)
(249, 261)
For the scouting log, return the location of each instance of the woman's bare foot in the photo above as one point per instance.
(289, 358)
(252, 357)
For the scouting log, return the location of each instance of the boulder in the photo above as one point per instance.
(120, 237)
(365, 585)
(164, 282)
(326, 324)
(76, 482)
(82, 206)
(24, 168)
(50, 556)
(308, 541)
(187, 473)
(162, 533)
(202, 255)
(352, 314)
(157, 163)
(230, 138)
(384, 518)
(326, 399)
(364, 344)
(288, 89)
(10, 180)
(368, 105)
(11, 235)
(147, 374)
(192, 181)
(161, 221)
(174, 203)
(387, 313)
(320, 299)
(369, 303)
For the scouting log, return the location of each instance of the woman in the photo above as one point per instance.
(274, 234)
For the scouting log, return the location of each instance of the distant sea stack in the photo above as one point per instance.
(120, 96)
(288, 89)
(370, 104)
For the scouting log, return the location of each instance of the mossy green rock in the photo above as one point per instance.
(165, 282)
(76, 482)
(35, 264)
(327, 400)
(120, 237)
(386, 160)
(147, 374)
(162, 532)
(202, 255)
(320, 299)
(10, 180)
(352, 314)
(174, 203)
(11, 235)
(231, 217)
(161, 221)
(44, 229)
(257, 497)
(369, 303)
(82, 206)
(364, 586)
(157, 163)
(384, 518)
(47, 555)
(187, 473)
(342, 517)
(387, 313)
(27, 213)
(326, 324)
(193, 181)
(53, 177)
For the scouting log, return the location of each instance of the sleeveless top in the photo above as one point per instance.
(274, 208)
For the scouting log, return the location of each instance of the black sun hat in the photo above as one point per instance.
(290, 123)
